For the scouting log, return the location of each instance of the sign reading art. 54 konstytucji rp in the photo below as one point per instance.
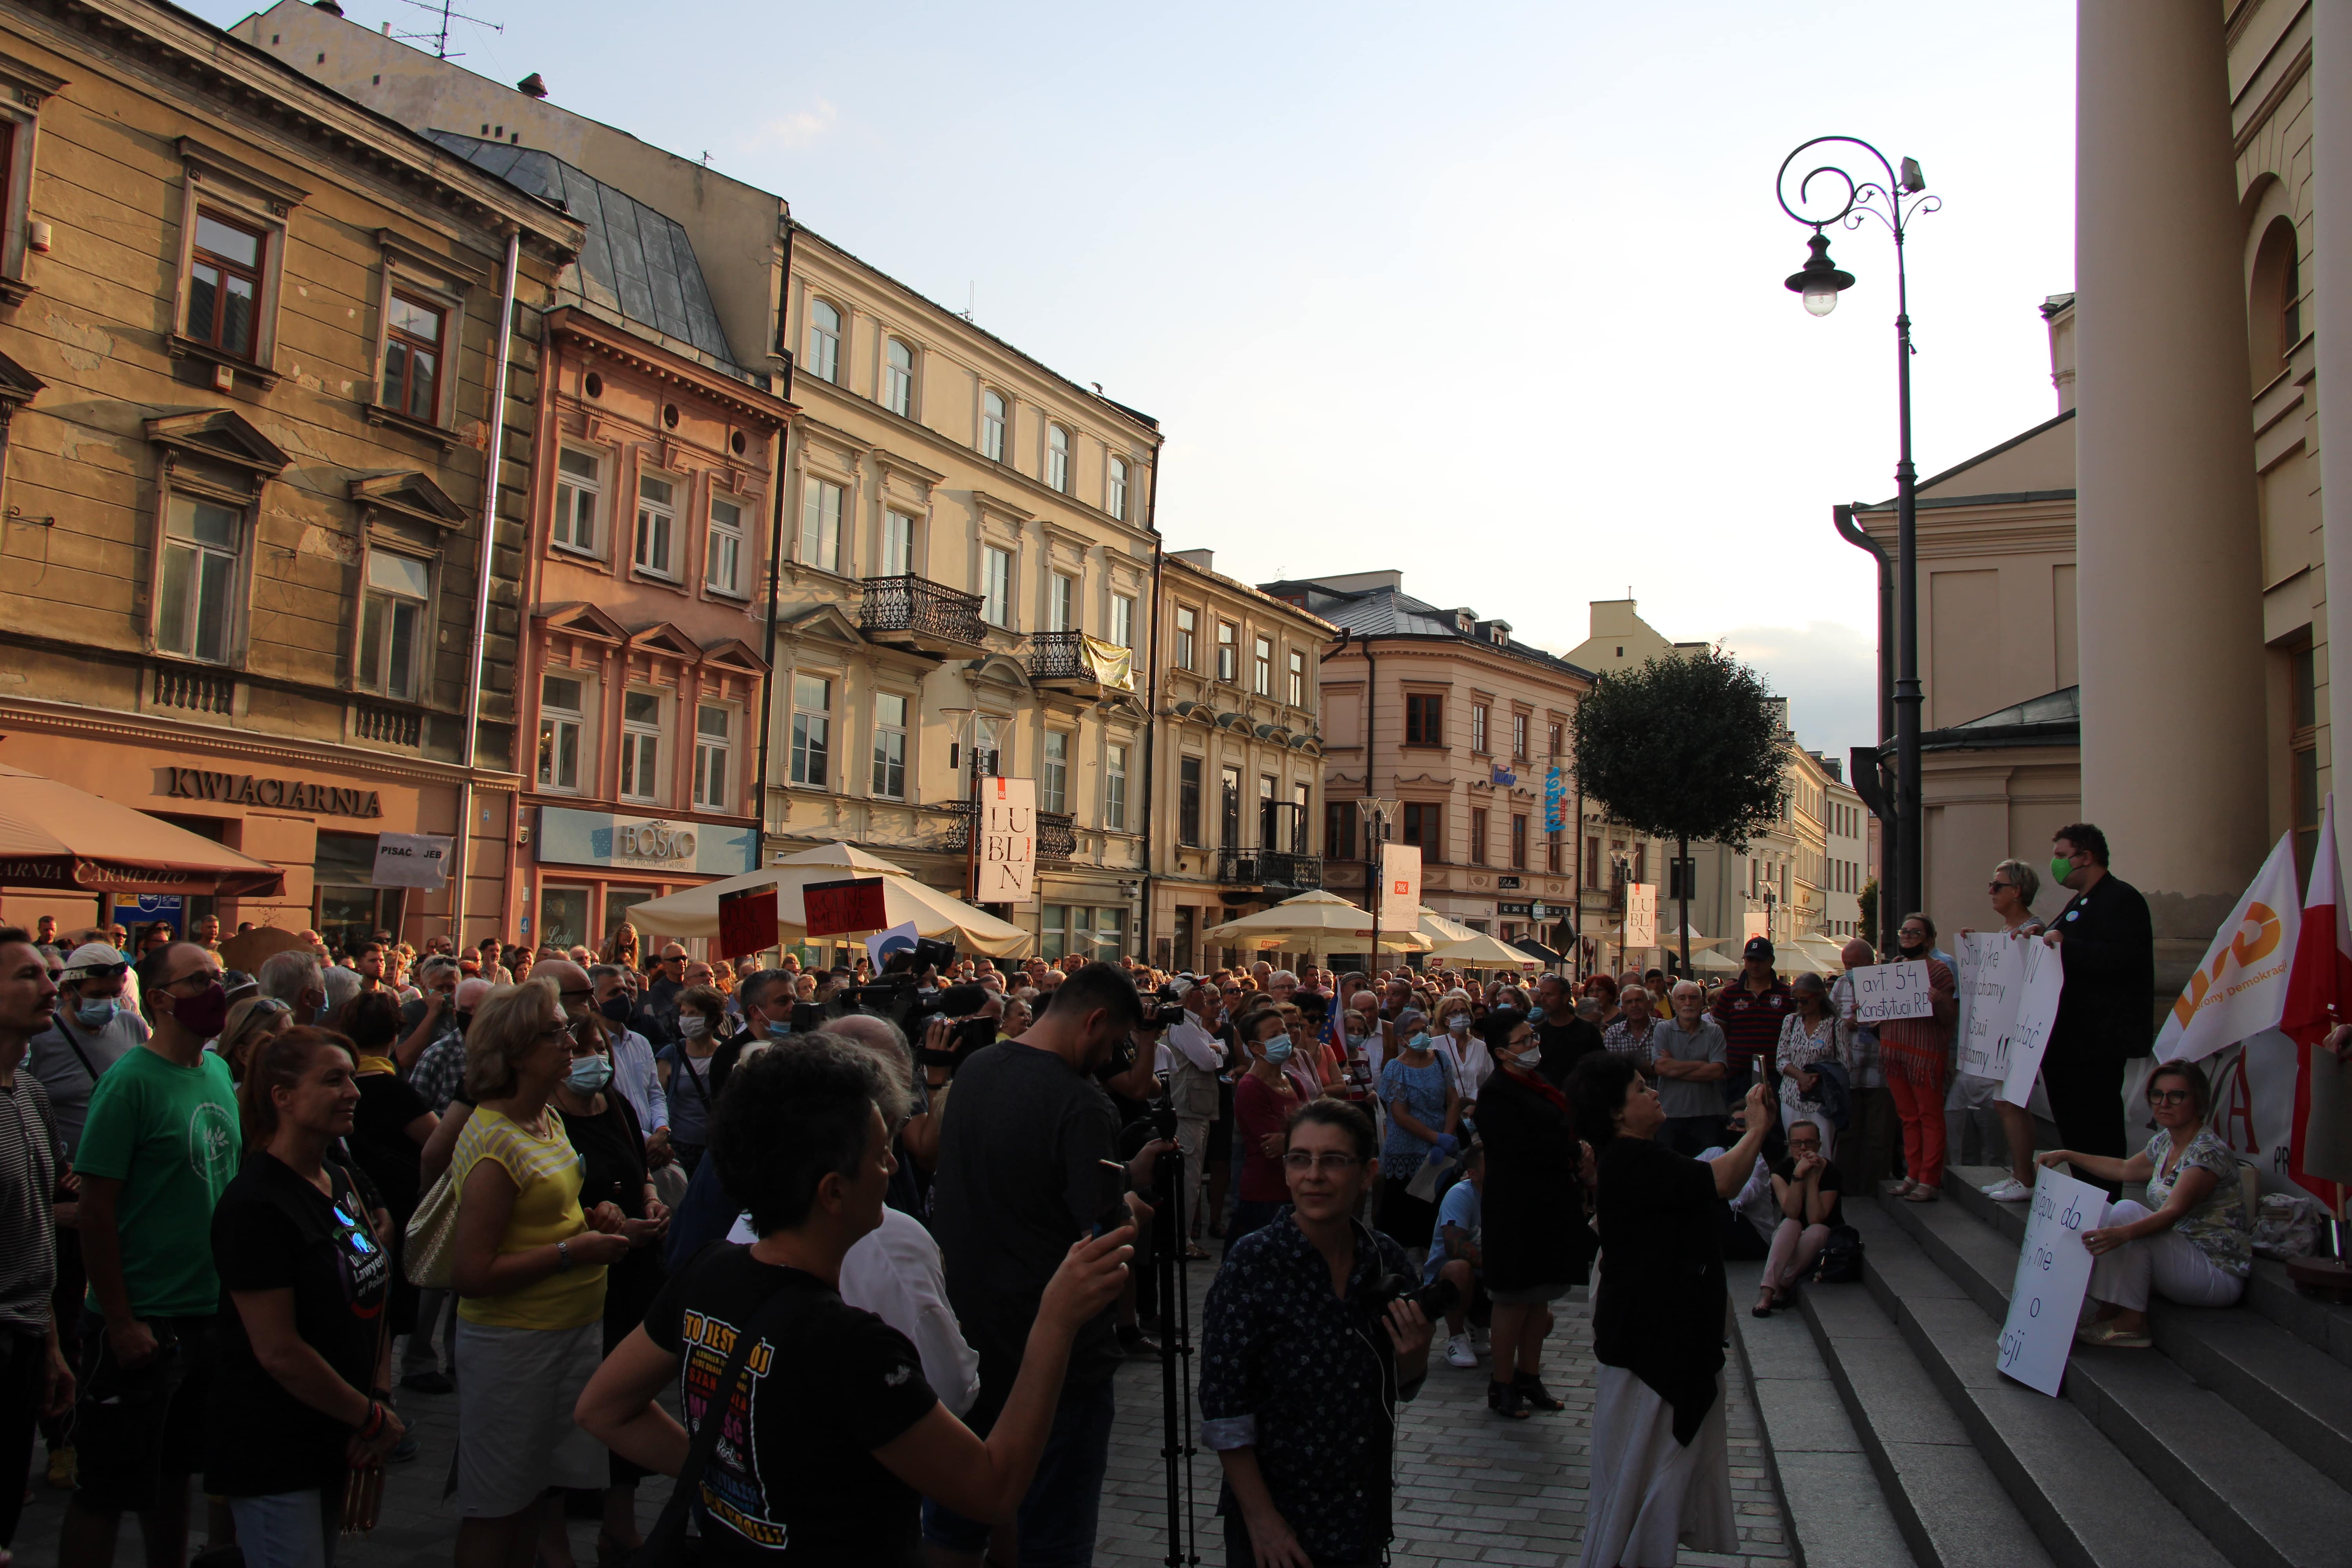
(1884, 992)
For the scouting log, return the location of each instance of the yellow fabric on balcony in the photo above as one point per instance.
(1108, 662)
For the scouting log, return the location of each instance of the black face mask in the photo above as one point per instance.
(616, 1008)
(1909, 944)
(465, 1016)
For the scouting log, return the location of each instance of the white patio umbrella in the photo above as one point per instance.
(695, 910)
(1457, 943)
(1311, 923)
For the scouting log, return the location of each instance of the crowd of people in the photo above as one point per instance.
(886, 1237)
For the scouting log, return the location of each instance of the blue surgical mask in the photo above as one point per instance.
(95, 1015)
(1277, 1049)
(589, 1075)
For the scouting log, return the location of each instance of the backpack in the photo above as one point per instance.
(1841, 1259)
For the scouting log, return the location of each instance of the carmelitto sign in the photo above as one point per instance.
(290, 795)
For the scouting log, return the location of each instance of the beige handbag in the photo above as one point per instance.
(431, 1256)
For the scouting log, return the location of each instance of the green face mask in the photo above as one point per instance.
(2060, 870)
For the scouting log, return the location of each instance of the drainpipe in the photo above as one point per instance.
(1151, 702)
(493, 457)
(1873, 797)
(775, 550)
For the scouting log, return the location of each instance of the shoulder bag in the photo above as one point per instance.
(429, 1254)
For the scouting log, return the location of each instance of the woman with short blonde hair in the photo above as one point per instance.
(505, 1030)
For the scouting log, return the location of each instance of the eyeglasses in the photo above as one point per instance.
(1302, 1162)
(582, 996)
(2167, 1096)
(1996, 885)
(555, 1032)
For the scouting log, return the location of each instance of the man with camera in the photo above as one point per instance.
(1311, 1337)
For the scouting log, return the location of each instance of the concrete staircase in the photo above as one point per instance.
(2229, 1445)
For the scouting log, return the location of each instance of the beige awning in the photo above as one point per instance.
(695, 910)
(1311, 923)
(55, 836)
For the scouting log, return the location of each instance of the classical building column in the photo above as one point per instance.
(2169, 588)
(2330, 273)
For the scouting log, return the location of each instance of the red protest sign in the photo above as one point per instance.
(836, 909)
(747, 921)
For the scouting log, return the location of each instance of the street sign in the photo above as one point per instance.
(1539, 911)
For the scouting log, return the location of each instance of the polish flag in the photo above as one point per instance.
(2321, 978)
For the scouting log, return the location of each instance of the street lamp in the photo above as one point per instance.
(1894, 197)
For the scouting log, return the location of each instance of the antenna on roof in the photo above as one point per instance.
(706, 157)
(970, 297)
(440, 36)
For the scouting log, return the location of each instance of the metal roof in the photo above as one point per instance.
(1382, 612)
(634, 259)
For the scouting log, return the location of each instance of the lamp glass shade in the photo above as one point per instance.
(1821, 295)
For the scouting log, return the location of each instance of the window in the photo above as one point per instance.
(986, 761)
(897, 544)
(1188, 801)
(640, 746)
(2302, 744)
(1551, 742)
(824, 341)
(722, 562)
(1110, 929)
(812, 729)
(1478, 728)
(1060, 602)
(899, 380)
(1269, 836)
(1593, 864)
(1114, 788)
(1115, 488)
(392, 623)
(1477, 836)
(1301, 800)
(991, 427)
(1425, 825)
(1122, 620)
(1262, 667)
(1641, 861)
(1228, 651)
(1297, 693)
(577, 488)
(1229, 806)
(713, 732)
(194, 601)
(821, 524)
(1054, 778)
(1058, 458)
(225, 285)
(656, 512)
(562, 715)
(1518, 737)
(995, 585)
(890, 746)
(1519, 842)
(1424, 718)
(1340, 840)
(1188, 626)
(1551, 852)
(412, 358)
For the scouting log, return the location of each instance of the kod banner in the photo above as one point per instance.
(2240, 987)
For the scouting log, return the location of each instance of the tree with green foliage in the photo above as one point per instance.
(1684, 746)
(1869, 902)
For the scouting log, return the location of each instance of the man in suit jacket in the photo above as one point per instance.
(2107, 943)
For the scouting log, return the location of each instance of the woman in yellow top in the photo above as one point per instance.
(529, 1272)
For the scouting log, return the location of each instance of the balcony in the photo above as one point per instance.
(1073, 662)
(920, 616)
(1058, 832)
(1276, 870)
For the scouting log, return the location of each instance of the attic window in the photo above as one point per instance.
(1621, 651)
(1502, 637)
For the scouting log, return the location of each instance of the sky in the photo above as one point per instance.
(1488, 293)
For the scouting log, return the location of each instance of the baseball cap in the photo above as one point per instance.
(92, 959)
(1758, 947)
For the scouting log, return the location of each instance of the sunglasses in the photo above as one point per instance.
(2168, 1096)
(1996, 885)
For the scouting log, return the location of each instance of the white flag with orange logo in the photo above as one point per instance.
(2241, 988)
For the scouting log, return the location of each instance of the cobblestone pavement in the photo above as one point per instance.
(1472, 1488)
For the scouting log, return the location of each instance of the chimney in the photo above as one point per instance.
(532, 86)
(328, 6)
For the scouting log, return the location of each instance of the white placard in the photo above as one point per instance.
(1005, 842)
(2054, 1269)
(2042, 978)
(1399, 887)
(1883, 992)
(411, 860)
(1988, 981)
(1640, 914)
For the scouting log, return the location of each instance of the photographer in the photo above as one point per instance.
(1022, 1147)
(1301, 1380)
(1191, 1058)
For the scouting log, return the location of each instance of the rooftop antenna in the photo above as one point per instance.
(706, 157)
(970, 297)
(440, 36)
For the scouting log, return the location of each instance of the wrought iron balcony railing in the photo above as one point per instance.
(1269, 868)
(919, 611)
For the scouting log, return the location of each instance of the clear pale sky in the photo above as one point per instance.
(1490, 293)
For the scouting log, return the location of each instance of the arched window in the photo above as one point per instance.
(1115, 488)
(1058, 458)
(899, 380)
(2275, 303)
(991, 427)
(824, 341)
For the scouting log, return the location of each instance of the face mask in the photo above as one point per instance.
(464, 1017)
(95, 1015)
(692, 1028)
(589, 1074)
(2060, 870)
(1277, 1049)
(1529, 1058)
(617, 1009)
(203, 1014)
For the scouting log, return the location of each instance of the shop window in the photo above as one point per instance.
(621, 908)
(1054, 781)
(821, 524)
(1115, 788)
(657, 519)
(897, 544)
(392, 620)
(641, 713)
(1053, 930)
(1110, 934)
(991, 425)
(811, 730)
(562, 717)
(196, 587)
(562, 916)
(722, 556)
(714, 752)
(1188, 802)
(413, 357)
(579, 491)
(890, 746)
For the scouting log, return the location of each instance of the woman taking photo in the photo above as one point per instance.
(2012, 888)
(529, 1276)
(838, 1434)
(1538, 1245)
(1807, 1035)
(1661, 1463)
(686, 1071)
(2192, 1246)
(621, 947)
(298, 1397)
(1424, 1119)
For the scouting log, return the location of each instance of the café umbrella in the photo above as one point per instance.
(1458, 943)
(694, 911)
(1311, 923)
(58, 838)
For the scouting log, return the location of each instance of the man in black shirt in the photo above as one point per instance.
(1562, 1030)
(1022, 1175)
(2108, 945)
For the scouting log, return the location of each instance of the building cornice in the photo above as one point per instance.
(587, 332)
(64, 719)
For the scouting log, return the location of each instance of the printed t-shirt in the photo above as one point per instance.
(546, 1174)
(169, 1134)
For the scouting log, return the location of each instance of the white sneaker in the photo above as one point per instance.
(2007, 1190)
(1458, 1352)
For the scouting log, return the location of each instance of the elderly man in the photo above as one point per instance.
(1687, 1055)
(1865, 1151)
(603, 988)
(669, 979)
(1629, 1034)
(430, 1019)
(93, 1026)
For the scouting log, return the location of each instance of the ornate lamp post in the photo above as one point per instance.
(1894, 196)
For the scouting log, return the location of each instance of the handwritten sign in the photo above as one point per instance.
(1989, 978)
(411, 860)
(1883, 992)
(1005, 842)
(841, 909)
(2054, 1269)
(2041, 977)
(747, 921)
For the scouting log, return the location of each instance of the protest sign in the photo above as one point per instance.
(1989, 964)
(899, 938)
(747, 921)
(1883, 992)
(2054, 1269)
(2042, 978)
(411, 860)
(844, 908)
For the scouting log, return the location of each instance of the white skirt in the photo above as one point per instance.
(1648, 1495)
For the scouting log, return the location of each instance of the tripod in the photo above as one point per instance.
(1176, 1451)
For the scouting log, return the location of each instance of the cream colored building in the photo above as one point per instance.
(1236, 755)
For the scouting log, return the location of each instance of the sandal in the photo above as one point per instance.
(1904, 1188)
(1766, 1299)
(1530, 1389)
(1505, 1400)
(2106, 1333)
(1194, 1250)
(1923, 1195)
